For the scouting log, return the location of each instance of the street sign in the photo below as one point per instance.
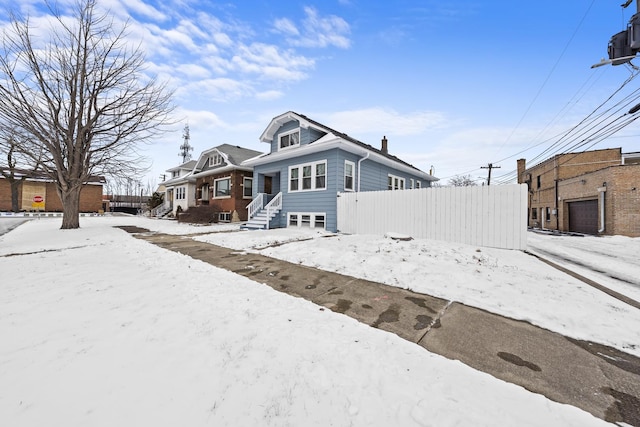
(38, 202)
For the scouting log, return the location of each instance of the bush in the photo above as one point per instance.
(205, 214)
(155, 200)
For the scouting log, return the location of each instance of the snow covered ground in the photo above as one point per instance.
(612, 261)
(99, 328)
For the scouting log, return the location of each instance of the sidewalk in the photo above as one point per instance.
(598, 379)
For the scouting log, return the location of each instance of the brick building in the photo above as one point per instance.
(592, 192)
(37, 184)
(222, 181)
(216, 179)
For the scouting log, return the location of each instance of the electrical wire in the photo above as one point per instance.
(578, 134)
(544, 83)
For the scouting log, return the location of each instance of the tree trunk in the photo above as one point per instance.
(71, 207)
(15, 187)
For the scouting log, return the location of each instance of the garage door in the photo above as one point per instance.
(583, 216)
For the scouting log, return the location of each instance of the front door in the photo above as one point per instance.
(267, 185)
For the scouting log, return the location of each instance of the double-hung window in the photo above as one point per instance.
(247, 187)
(395, 183)
(222, 188)
(321, 175)
(308, 177)
(349, 168)
(289, 139)
(180, 193)
(216, 159)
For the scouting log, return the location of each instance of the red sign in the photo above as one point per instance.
(37, 199)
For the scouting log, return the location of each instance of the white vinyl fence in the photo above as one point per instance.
(492, 216)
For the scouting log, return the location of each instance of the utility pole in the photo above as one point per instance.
(490, 166)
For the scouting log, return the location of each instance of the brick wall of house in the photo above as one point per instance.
(5, 195)
(90, 197)
(235, 203)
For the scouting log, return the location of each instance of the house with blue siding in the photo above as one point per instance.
(296, 184)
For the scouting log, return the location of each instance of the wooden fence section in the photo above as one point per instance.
(491, 216)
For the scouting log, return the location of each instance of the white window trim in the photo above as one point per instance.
(181, 193)
(215, 188)
(353, 175)
(312, 219)
(411, 184)
(288, 147)
(216, 159)
(418, 184)
(244, 179)
(400, 180)
(313, 177)
(205, 191)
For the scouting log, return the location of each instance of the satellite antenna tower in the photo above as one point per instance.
(185, 148)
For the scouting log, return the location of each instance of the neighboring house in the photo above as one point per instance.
(221, 181)
(180, 188)
(297, 183)
(38, 186)
(592, 192)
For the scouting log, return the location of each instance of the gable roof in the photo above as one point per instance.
(306, 122)
(234, 155)
(185, 166)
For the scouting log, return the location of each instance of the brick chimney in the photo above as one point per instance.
(384, 148)
(521, 169)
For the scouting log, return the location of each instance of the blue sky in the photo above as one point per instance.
(454, 85)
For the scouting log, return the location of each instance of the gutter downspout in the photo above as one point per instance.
(359, 162)
(602, 190)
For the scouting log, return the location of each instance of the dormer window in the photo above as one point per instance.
(216, 159)
(290, 139)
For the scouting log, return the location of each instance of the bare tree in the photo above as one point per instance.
(462, 181)
(17, 167)
(82, 96)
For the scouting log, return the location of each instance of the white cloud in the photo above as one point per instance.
(145, 9)
(269, 95)
(316, 30)
(386, 121)
(284, 25)
(271, 62)
(216, 89)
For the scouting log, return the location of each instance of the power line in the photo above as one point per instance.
(555, 65)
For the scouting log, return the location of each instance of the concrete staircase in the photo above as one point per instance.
(260, 220)
(259, 216)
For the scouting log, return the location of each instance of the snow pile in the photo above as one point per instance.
(101, 329)
(511, 283)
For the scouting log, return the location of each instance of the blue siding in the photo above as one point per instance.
(313, 135)
(306, 201)
(306, 135)
(374, 177)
